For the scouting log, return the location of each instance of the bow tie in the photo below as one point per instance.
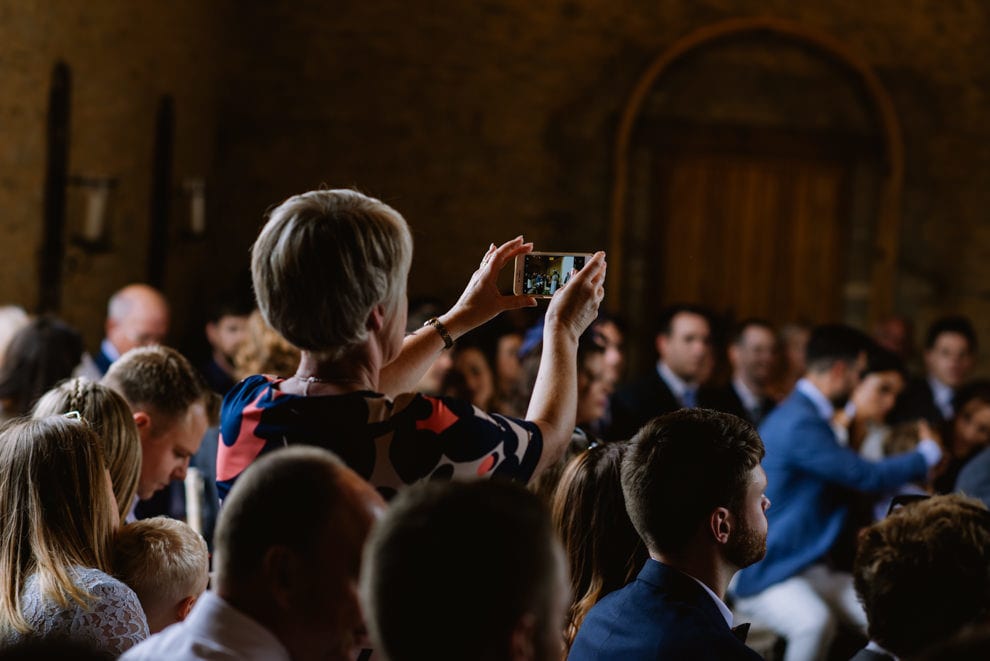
(741, 631)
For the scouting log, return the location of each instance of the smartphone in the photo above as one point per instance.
(541, 274)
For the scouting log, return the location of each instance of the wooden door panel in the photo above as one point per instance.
(752, 236)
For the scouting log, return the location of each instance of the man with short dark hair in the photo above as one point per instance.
(753, 356)
(171, 406)
(465, 570)
(812, 478)
(288, 554)
(922, 576)
(694, 490)
(950, 352)
(683, 343)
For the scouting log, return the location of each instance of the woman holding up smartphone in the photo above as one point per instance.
(330, 270)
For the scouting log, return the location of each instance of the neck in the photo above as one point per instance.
(822, 382)
(351, 373)
(754, 387)
(706, 567)
(221, 359)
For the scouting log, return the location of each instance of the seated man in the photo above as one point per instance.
(950, 353)
(465, 570)
(171, 407)
(813, 480)
(288, 552)
(683, 344)
(922, 576)
(137, 316)
(167, 565)
(753, 356)
(694, 491)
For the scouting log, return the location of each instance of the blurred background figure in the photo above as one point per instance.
(896, 334)
(137, 316)
(950, 353)
(793, 341)
(12, 319)
(226, 330)
(753, 358)
(41, 354)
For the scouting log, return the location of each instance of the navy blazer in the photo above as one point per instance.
(810, 483)
(663, 614)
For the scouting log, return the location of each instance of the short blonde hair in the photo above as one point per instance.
(163, 560)
(110, 417)
(323, 261)
(56, 509)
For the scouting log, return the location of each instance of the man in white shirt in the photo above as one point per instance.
(288, 552)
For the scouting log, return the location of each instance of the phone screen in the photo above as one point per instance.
(545, 274)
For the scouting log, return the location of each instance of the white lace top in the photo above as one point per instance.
(114, 622)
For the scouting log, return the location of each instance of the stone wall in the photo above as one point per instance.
(478, 121)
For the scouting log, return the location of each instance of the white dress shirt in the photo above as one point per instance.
(213, 630)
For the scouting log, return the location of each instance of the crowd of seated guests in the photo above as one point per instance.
(482, 481)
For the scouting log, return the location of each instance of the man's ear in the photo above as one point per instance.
(720, 524)
(182, 610)
(278, 568)
(376, 319)
(143, 421)
(521, 642)
(661, 344)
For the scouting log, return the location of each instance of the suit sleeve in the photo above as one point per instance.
(816, 452)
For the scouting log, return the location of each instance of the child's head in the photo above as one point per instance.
(166, 563)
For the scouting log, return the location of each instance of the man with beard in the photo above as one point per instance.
(694, 489)
(813, 480)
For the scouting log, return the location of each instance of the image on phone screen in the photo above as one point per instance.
(543, 275)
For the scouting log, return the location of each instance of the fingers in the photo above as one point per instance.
(509, 250)
(513, 302)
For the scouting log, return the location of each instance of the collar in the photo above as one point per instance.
(873, 647)
(109, 350)
(750, 400)
(942, 394)
(215, 620)
(822, 405)
(722, 608)
(677, 385)
(674, 581)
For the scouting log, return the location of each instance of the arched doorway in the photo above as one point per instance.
(758, 169)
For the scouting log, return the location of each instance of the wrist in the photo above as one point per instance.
(455, 323)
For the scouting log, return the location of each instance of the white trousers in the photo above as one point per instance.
(806, 609)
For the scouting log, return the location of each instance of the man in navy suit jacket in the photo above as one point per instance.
(694, 491)
(683, 343)
(812, 479)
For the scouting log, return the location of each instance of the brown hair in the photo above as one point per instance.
(603, 550)
(57, 511)
(683, 465)
(160, 379)
(923, 573)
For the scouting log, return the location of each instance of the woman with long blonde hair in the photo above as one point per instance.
(59, 516)
(110, 417)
